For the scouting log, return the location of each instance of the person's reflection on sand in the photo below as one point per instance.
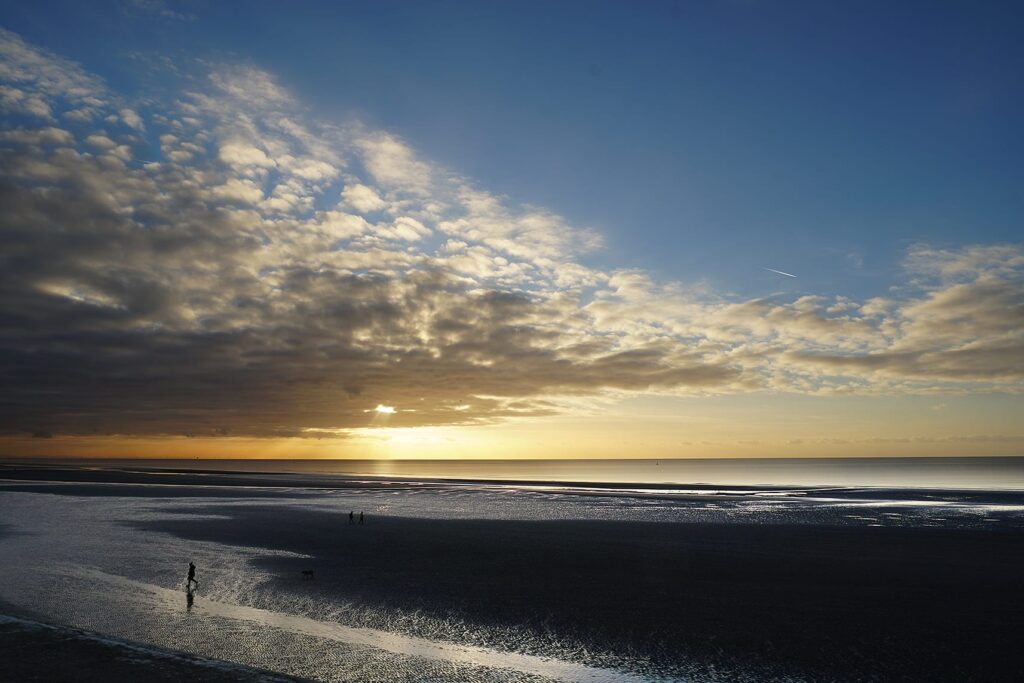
(189, 598)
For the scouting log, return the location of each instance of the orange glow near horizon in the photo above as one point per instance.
(664, 427)
(710, 434)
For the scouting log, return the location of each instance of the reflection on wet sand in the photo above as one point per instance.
(383, 640)
(671, 582)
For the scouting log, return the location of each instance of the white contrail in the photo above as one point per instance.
(780, 272)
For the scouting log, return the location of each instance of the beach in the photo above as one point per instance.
(484, 581)
(43, 652)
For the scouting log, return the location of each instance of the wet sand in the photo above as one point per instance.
(792, 600)
(827, 602)
(36, 651)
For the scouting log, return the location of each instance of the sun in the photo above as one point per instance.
(385, 410)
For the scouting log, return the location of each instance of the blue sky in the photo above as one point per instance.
(702, 140)
(521, 228)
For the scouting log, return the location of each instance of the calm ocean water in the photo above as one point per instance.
(999, 473)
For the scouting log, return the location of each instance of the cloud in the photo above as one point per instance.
(132, 119)
(41, 136)
(950, 264)
(158, 8)
(392, 163)
(250, 85)
(223, 263)
(100, 141)
(362, 198)
(963, 331)
(404, 228)
(244, 156)
(43, 79)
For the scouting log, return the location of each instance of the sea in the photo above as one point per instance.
(980, 473)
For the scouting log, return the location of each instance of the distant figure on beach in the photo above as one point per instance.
(360, 516)
(351, 517)
(191, 578)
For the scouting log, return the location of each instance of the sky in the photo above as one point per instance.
(453, 229)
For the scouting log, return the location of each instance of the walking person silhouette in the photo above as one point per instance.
(351, 517)
(191, 578)
(360, 516)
